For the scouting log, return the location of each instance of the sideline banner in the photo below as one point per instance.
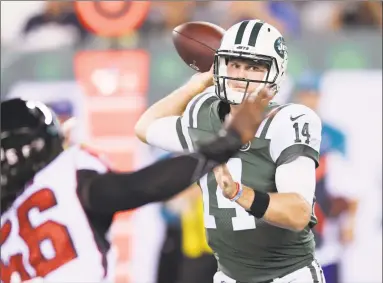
(115, 87)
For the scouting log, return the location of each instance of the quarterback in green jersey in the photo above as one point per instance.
(258, 208)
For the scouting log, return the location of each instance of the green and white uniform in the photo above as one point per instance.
(249, 249)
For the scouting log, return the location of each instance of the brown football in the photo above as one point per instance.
(196, 43)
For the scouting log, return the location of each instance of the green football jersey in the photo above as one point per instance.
(249, 249)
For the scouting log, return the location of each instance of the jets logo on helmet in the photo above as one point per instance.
(252, 41)
(280, 47)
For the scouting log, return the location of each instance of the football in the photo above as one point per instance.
(196, 43)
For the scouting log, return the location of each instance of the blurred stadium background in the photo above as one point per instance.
(103, 80)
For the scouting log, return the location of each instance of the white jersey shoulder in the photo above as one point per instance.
(47, 231)
(294, 124)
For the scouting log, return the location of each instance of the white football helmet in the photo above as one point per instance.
(255, 40)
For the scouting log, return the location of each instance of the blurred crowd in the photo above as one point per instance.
(56, 23)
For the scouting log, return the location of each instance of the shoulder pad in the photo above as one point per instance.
(197, 111)
(290, 113)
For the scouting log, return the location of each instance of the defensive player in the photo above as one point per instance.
(259, 226)
(57, 206)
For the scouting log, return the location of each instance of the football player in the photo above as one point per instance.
(57, 206)
(258, 206)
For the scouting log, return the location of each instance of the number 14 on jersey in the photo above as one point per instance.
(243, 220)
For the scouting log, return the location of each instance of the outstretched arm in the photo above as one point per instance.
(112, 192)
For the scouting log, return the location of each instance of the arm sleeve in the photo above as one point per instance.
(111, 192)
(172, 133)
(295, 131)
(298, 177)
(167, 134)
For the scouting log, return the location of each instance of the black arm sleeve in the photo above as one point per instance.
(112, 192)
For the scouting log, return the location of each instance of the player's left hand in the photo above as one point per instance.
(225, 181)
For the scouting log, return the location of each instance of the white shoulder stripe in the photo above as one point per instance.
(260, 129)
(188, 114)
(185, 132)
(197, 107)
(266, 122)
